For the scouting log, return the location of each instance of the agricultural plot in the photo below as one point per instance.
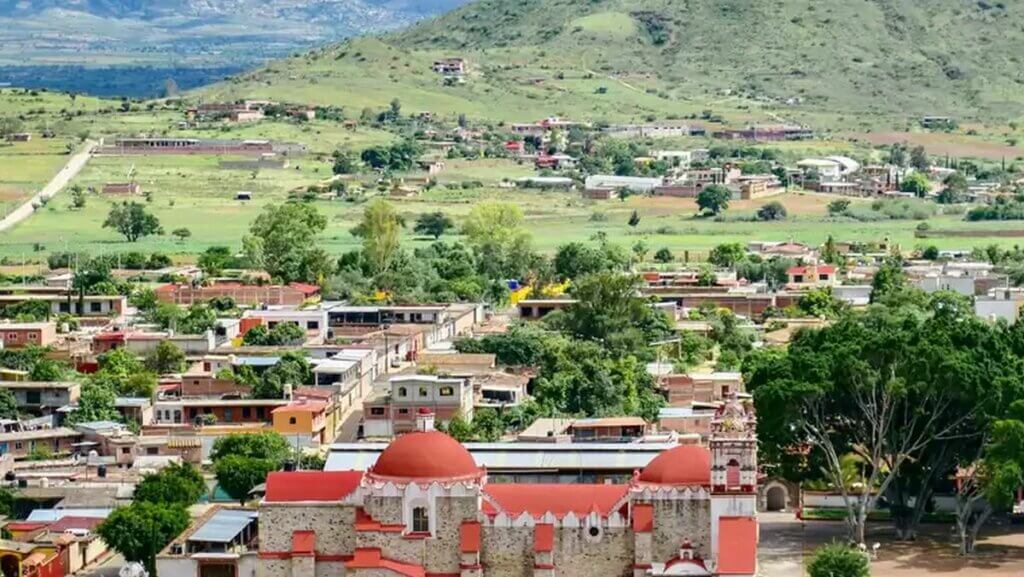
(25, 167)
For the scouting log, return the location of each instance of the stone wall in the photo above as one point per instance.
(508, 552)
(334, 526)
(677, 520)
(385, 510)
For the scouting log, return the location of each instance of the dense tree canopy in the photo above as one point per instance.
(282, 241)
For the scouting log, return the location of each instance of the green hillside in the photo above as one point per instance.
(848, 63)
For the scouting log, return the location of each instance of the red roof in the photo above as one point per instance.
(304, 542)
(469, 537)
(115, 336)
(88, 523)
(309, 406)
(306, 289)
(682, 465)
(643, 518)
(544, 537)
(424, 455)
(312, 393)
(24, 526)
(560, 500)
(737, 546)
(372, 559)
(322, 486)
(823, 269)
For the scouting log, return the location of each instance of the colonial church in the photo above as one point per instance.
(425, 509)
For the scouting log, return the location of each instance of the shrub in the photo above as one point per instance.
(837, 560)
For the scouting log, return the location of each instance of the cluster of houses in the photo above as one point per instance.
(242, 112)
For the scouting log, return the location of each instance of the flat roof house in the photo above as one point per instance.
(19, 335)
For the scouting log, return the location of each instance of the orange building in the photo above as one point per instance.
(304, 420)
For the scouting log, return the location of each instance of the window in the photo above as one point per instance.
(377, 411)
(725, 390)
(152, 451)
(17, 445)
(420, 520)
(33, 337)
(823, 277)
(64, 307)
(95, 307)
(732, 473)
(227, 414)
(423, 392)
(447, 391)
(292, 420)
(313, 325)
(12, 336)
(33, 397)
(403, 411)
(246, 412)
(126, 450)
(403, 392)
(261, 413)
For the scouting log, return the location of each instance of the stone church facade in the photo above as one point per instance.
(425, 509)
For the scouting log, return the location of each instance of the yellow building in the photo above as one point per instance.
(305, 421)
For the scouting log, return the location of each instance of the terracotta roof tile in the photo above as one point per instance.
(298, 486)
(560, 499)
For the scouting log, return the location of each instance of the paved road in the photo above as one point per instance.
(59, 181)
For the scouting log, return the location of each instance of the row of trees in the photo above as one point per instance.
(889, 405)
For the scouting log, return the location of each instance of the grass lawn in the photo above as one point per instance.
(193, 192)
(25, 167)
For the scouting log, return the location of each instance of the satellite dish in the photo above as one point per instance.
(133, 570)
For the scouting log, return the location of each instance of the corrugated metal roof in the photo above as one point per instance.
(520, 456)
(224, 526)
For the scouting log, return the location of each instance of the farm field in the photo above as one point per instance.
(195, 193)
(25, 167)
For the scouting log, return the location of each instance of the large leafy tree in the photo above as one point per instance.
(282, 240)
(132, 221)
(264, 445)
(179, 483)
(166, 358)
(140, 530)
(714, 199)
(381, 229)
(433, 224)
(96, 403)
(892, 386)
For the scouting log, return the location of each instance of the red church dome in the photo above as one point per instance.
(425, 455)
(682, 465)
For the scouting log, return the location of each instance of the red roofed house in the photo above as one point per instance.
(815, 275)
(243, 294)
(426, 509)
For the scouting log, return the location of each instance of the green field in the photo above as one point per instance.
(195, 193)
(25, 167)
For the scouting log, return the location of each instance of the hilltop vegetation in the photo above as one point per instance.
(853, 61)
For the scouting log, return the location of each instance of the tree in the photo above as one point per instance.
(838, 560)
(179, 483)
(140, 530)
(268, 445)
(96, 403)
(166, 358)
(8, 405)
(664, 255)
(820, 303)
(283, 241)
(889, 279)
(727, 255)
(214, 260)
(237, 475)
(640, 249)
(10, 125)
(345, 162)
(395, 108)
(930, 252)
(916, 183)
(634, 219)
(433, 224)
(892, 386)
(838, 207)
(714, 199)
(282, 334)
(919, 159)
(609, 310)
(955, 189)
(181, 233)
(382, 236)
(772, 211)
(132, 221)
(576, 260)
(78, 198)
